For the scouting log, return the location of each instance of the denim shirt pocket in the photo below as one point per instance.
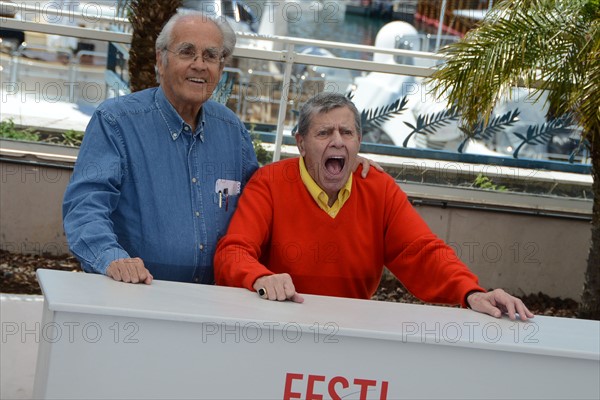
(225, 206)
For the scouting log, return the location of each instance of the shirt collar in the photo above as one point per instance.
(175, 124)
(319, 194)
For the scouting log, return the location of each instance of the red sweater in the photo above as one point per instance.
(278, 228)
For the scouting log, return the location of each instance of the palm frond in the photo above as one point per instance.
(527, 42)
(583, 144)
(430, 123)
(378, 116)
(485, 130)
(587, 106)
(496, 125)
(541, 134)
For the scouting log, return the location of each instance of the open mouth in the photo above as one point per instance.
(197, 80)
(335, 165)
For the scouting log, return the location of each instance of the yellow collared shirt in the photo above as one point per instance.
(320, 196)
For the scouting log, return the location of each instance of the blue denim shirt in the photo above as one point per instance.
(144, 186)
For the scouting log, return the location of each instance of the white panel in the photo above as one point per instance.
(171, 340)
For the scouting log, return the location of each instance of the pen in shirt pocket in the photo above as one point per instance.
(226, 191)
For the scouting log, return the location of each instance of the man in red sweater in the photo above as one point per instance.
(308, 225)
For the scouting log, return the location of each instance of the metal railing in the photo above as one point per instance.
(287, 58)
(59, 69)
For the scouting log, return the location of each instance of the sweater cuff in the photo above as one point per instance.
(106, 257)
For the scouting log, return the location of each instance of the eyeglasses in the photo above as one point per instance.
(211, 55)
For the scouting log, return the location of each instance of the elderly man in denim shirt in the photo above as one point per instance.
(160, 171)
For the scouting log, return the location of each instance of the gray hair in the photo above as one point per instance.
(164, 38)
(322, 103)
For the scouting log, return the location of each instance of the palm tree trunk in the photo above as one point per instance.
(590, 299)
(147, 19)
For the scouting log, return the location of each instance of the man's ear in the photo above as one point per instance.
(300, 144)
(159, 62)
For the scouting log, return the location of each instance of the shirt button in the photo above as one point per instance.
(196, 279)
(201, 247)
(174, 136)
(197, 213)
(187, 128)
(194, 180)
